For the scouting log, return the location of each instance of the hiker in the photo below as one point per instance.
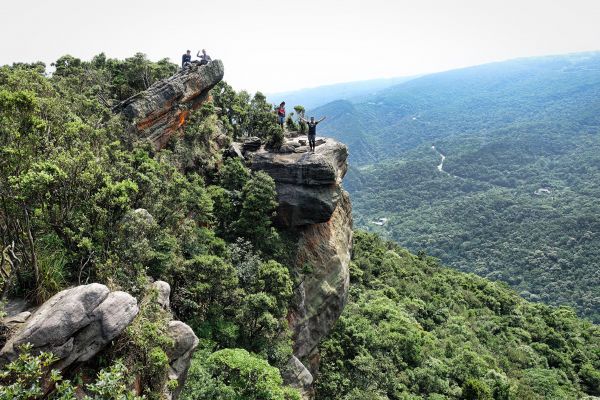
(186, 59)
(312, 131)
(281, 114)
(204, 58)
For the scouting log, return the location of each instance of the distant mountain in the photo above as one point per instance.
(476, 99)
(517, 197)
(317, 96)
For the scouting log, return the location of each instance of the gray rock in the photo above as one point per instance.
(308, 184)
(74, 324)
(326, 166)
(180, 356)
(164, 292)
(252, 143)
(286, 148)
(161, 110)
(235, 151)
(16, 306)
(20, 318)
(296, 375)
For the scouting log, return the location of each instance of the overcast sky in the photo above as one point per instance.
(281, 45)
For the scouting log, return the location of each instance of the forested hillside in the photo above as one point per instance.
(84, 198)
(415, 330)
(517, 198)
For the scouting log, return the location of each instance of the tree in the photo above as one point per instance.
(235, 374)
(258, 205)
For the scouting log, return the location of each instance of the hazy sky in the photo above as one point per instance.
(280, 45)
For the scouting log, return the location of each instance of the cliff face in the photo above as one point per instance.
(161, 110)
(308, 184)
(313, 204)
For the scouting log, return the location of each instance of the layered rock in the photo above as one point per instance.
(312, 204)
(308, 184)
(158, 112)
(321, 297)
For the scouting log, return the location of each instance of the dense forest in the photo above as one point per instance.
(83, 199)
(415, 330)
(517, 198)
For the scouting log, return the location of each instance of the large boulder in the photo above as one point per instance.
(74, 324)
(308, 183)
(158, 112)
(296, 375)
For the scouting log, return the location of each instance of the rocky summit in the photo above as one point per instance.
(161, 110)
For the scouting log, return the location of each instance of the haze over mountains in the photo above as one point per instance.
(317, 96)
(517, 197)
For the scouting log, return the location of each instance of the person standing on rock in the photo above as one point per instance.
(186, 59)
(204, 58)
(312, 131)
(281, 114)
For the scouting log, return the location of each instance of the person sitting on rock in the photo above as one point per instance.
(204, 58)
(281, 114)
(186, 59)
(312, 131)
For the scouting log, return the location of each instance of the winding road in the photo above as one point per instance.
(441, 166)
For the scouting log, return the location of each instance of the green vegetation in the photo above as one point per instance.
(234, 374)
(24, 379)
(82, 199)
(413, 329)
(507, 130)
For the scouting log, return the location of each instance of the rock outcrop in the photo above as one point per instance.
(158, 112)
(308, 184)
(74, 324)
(78, 323)
(180, 356)
(313, 205)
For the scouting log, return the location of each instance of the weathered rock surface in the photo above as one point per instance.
(164, 293)
(323, 294)
(180, 356)
(74, 324)
(313, 204)
(298, 377)
(159, 111)
(308, 184)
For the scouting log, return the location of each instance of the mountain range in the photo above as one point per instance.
(516, 197)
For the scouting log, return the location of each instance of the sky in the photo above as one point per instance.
(276, 46)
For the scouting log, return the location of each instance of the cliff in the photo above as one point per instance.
(81, 325)
(313, 205)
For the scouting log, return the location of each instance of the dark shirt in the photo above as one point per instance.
(185, 58)
(281, 111)
(312, 128)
